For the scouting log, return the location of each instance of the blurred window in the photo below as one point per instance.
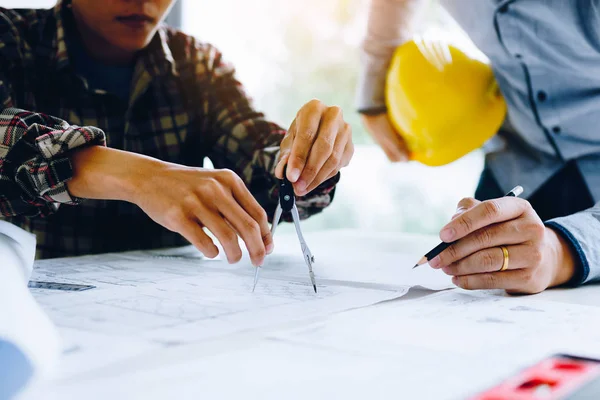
(288, 52)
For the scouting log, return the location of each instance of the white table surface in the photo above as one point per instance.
(339, 363)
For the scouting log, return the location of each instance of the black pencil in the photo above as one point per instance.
(516, 192)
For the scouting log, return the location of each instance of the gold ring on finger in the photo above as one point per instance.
(506, 259)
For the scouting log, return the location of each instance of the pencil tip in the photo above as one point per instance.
(422, 261)
(315, 287)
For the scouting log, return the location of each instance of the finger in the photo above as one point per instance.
(467, 203)
(483, 214)
(225, 234)
(394, 148)
(513, 232)
(329, 170)
(283, 160)
(326, 173)
(491, 260)
(392, 153)
(234, 186)
(392, 144)
(250, 206)
(464, 205)
(192, 231)
(334, 173)
(402, 147)
(520, 280)
(285, 150)
(307, 126)
(308, 181)
(348, 154)
(331, 140)
(247, 228)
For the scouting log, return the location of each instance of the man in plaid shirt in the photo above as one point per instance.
(101, 102)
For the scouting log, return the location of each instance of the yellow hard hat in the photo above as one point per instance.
(444, 103)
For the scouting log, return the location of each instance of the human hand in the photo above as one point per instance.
(184, 200)
(538, 257)
(381, 129)
(317, 145)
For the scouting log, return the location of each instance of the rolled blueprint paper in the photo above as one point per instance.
(29, 342)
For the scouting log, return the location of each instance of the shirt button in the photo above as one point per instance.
(556, 130)
(542, 96)
(503, 9)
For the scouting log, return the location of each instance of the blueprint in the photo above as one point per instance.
(397, 347)
(172, 324)
(149, 300)
(489, 320)
(374, 258)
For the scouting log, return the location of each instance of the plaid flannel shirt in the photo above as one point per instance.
(185, 105)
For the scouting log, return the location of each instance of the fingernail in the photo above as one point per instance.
(460, 210)
(294, 174)
(447, 270)
(435, 262)
(270, 248)
(259, 263)
(301, 185)
(447, 234)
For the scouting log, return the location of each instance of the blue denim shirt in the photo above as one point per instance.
(546, 58)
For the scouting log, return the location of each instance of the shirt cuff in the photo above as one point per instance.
(582, 267)
(314, 202)
(45, 176)
(373, 110)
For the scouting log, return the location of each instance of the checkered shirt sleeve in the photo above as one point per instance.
(34, 161)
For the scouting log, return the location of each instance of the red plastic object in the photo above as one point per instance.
(552, 379)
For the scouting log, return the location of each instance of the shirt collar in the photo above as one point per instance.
(157, 56)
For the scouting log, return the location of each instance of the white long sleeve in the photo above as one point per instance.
(391, 23)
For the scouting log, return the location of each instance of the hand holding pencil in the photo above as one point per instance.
(502, 244)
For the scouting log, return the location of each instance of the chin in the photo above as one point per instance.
(136, 45)
(132, 43)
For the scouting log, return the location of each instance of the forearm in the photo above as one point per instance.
(110, 174)
(390, 23)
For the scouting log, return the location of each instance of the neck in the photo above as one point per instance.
(98, 47)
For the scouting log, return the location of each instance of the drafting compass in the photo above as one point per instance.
(287, 203)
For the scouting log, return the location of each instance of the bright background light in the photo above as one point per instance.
(287, 52)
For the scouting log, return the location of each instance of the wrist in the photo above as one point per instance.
(564, 259)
